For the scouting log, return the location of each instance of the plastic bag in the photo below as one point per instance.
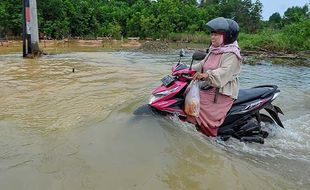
(192, 99)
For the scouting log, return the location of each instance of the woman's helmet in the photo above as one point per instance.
(228, 26)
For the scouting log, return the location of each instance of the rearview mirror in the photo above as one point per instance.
(182, 53)
(199, 55)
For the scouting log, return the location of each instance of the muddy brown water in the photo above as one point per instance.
(76, 130)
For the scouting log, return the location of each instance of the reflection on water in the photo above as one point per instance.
(75, 130)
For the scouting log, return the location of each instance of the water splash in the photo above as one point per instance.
(289, 143)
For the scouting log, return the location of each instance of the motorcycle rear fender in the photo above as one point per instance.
(273, 112)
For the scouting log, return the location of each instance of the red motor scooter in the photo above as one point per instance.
(244, 119)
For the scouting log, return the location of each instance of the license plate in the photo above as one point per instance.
(167, 80)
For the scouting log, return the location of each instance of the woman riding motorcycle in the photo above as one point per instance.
(219, 71)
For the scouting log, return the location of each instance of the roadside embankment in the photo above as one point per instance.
(252, 56)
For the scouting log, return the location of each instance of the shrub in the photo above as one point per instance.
(297, 35)
(270, 40)
(198, 37)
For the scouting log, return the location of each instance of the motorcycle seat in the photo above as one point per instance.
(247, 95)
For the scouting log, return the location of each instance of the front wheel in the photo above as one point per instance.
(147, 110)
(144, 110)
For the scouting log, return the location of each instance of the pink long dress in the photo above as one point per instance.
(212, 114)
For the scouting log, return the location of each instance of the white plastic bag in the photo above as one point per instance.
(192, 99)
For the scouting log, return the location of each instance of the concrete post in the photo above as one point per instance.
(30, 29)
(34, 27)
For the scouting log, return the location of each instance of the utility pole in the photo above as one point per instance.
(24, 30)
(30, 29)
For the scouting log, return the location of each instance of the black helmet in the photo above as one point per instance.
(227, 26)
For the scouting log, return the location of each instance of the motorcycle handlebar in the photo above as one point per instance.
(187, 77)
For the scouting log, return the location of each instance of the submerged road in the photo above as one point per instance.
(75, 130)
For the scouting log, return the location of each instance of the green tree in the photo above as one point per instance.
(275, 20)
(295, 14)
(204, 3)
(54, 21)
(209, 12)
(11, 17)
(112, 29)
(2, 21)
(138, 16)
(297, 35)
(246, 13)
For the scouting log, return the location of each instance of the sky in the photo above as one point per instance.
(280, 6)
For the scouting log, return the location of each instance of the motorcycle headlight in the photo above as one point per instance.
(164, 93)
(158, 95)
(154, 98)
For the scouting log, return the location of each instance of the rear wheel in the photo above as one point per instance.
(252, 130)
(266, 123)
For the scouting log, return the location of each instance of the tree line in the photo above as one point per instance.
(146, 18)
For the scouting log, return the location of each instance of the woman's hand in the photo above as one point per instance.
(200, 76)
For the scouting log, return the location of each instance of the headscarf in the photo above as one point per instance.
(228, 48)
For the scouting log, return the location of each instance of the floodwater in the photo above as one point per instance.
(68, 130)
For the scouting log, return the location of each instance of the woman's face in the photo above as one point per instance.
(217, 39)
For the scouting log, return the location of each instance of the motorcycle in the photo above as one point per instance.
(244, 119)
